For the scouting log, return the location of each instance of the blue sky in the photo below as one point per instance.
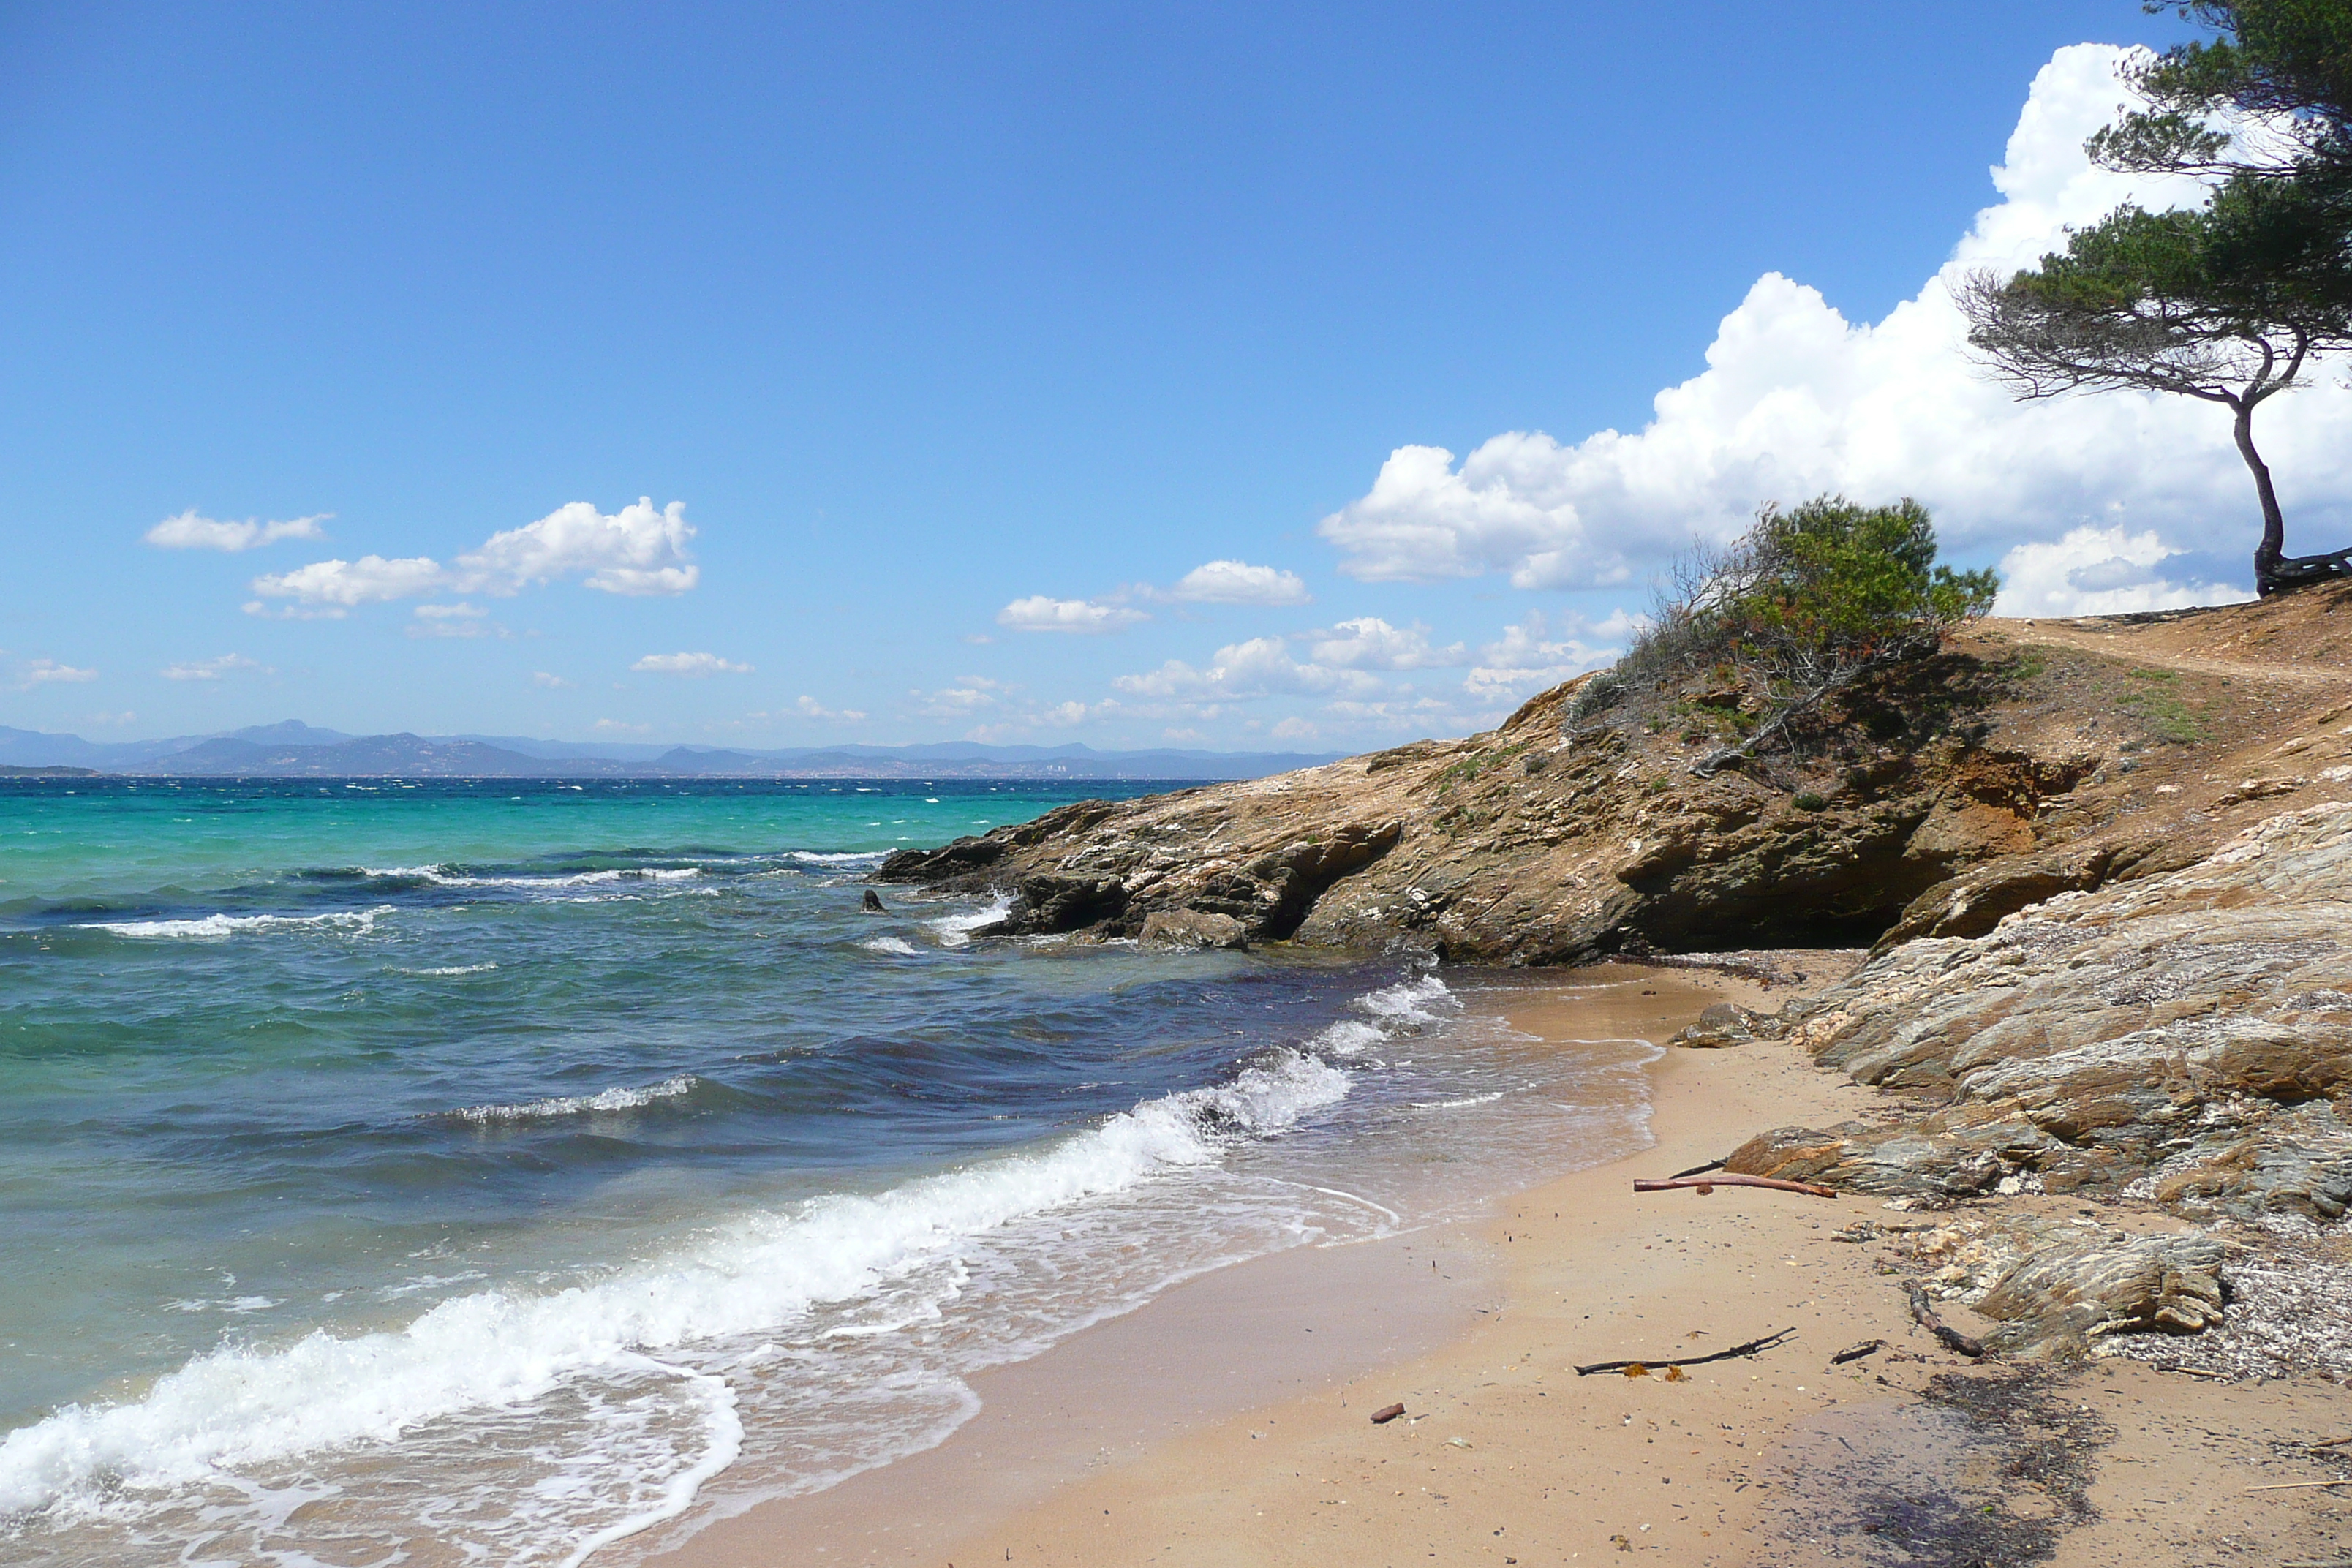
(940, 323)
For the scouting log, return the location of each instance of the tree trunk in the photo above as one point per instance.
(2272, 548)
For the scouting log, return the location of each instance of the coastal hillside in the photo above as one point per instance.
(2023, 759)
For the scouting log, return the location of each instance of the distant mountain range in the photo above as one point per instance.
(296, 750)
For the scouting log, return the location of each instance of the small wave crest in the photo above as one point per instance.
(451, 970)
(866, 857)
(213, 928)
(1401, 1008)
(896, 946)
(604, 1102)
(955, 930)
(241, 1406)
(448, 876)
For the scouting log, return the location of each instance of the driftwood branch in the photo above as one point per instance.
(1926, 1316)
(1386, 1414)
(1750, 1348)
(1708, 1183)
(1697, 1169)
(1855, 1353)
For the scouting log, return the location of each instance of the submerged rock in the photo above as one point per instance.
(1192, 929)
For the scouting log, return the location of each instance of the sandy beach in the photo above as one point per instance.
(1228, 1421)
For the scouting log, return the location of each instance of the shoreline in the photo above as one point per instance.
(1108, 1448)
(1312, 1323)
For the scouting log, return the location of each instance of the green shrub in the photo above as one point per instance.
(1800, 606)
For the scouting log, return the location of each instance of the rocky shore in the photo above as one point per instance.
(2104, 868)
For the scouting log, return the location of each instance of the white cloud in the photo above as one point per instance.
(968, 695)
(541, 679)
(1795, 401)
(1262, 666)
(1370, 643)
(186, 530)
(688, 664)
(449, 612)
(1039, 612)
(635, 551)
(618, 727)
(1296, 729)
(340, 585)
(294, 612)
(125, 717)
(211, 669)
(810, 707)
(1533, 655)
(2103, 571)
(1238, 583)
(49, 672)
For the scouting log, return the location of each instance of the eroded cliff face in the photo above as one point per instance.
(1517, 846)
(2186, 1038)
(2022, 763)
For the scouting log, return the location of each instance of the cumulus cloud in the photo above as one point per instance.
(186, 530)
(636, 550)
(1796, 400)
(1262, 666)
(1535, 654)
(2104, 571)
(810, 707)
(1239, 582)
(1039, 612)
(688, 664)
(1370, 643)
(620, 727)
(49, 672)
(211, 669)
(546, 681)
(330, 588)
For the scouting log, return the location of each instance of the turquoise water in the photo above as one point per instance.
(489, 1172)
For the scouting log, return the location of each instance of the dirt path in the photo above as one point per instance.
(2147, 643)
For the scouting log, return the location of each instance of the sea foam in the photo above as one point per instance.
(212, 928)
(606, 1101)
(955, 930)
(246, 1405)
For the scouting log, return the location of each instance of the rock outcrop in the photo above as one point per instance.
(2106, 866)
(1519, 847)
(2022, 763)
(2186, 1038)
(2061, 1285)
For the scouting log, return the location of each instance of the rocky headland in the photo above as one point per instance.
(2104, 871)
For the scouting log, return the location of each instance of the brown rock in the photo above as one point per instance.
(1192, 929)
